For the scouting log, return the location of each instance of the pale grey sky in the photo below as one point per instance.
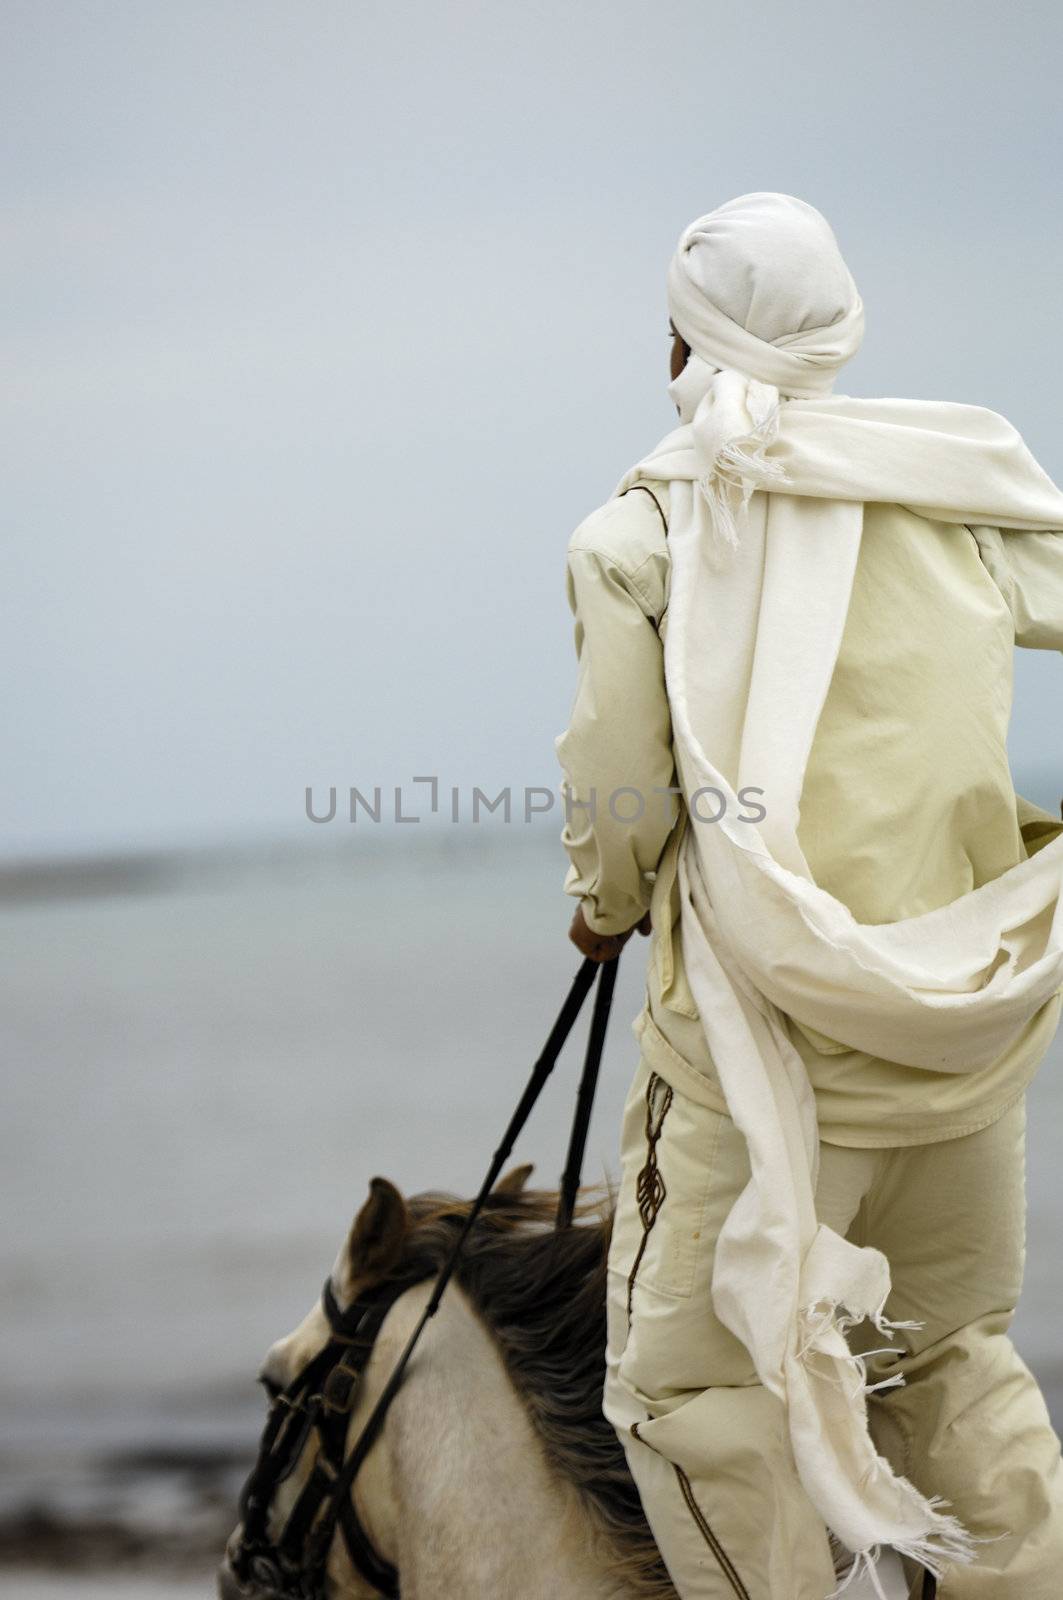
(325, 324)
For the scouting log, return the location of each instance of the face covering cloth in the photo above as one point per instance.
(769, 473)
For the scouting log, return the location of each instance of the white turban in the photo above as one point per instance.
(759, 285)
(759, 291)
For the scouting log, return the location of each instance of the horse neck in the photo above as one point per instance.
(459, 1494)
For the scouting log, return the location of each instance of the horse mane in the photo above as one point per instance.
(541, 1293)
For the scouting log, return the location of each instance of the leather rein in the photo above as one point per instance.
(291, 1564)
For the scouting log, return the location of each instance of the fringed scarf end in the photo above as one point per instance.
(947, 1543)
(740, 464)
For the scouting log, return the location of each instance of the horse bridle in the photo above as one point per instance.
(292, 1565)
(319, 1399)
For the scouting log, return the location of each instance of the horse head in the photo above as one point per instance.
(285, 1547)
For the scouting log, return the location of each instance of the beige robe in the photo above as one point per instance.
(907, 803)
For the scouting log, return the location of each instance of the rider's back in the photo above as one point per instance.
(908, 800)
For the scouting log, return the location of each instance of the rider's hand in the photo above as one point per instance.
(602, 946)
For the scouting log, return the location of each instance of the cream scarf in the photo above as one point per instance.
(768, 478)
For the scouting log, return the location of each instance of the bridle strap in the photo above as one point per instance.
(581, 985)
(295, 1413)
(374, 1568)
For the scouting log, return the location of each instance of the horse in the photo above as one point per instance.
(495, 1472)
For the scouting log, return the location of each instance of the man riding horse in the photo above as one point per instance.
(795, 622)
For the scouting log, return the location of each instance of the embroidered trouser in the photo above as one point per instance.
(706, 1442)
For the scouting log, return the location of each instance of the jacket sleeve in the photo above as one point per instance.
(1036, 562)
(616, 754)
(1027, 567)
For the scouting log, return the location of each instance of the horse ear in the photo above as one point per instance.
(514, 1180)
(378, 1231)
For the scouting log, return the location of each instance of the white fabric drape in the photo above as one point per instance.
(769, 474)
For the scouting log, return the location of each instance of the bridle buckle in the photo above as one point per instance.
(340, 1387)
